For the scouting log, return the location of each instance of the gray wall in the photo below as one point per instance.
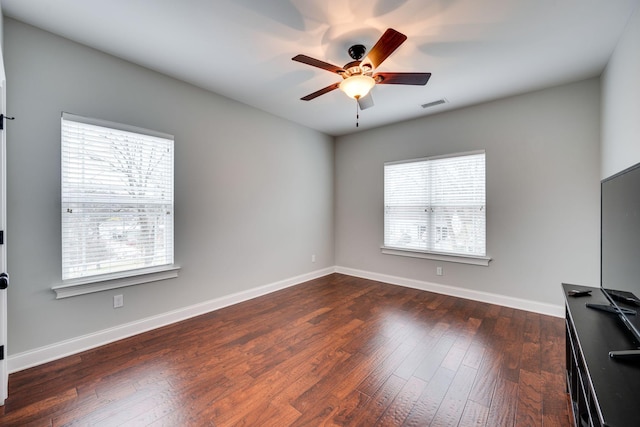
(254, 193)
(542, 153)
(621, 103)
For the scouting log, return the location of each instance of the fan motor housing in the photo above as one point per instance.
(357, 51)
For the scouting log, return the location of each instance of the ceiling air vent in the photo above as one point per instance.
(434, 103)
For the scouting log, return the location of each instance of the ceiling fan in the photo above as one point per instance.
(357, 76)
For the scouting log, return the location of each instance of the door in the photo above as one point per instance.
(4, 279)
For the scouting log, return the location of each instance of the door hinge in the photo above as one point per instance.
(1, 352)
(2, 119)
(1, 237)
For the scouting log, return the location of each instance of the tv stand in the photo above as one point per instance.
(604, 389)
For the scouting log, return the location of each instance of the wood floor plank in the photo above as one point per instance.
(317, 415)
(383, 371)
(532, 328)
(512, 356)
(36, 411)
(269, 414)
(403, 403)
(474, 355)
(555, 410)
(453, 403)
(433, 359)
(425, 409)
(369, 414)
(502, 411)
(552, 344)
(33, 377)
(529, 409)
(337, 350)
(350, 408)
(530, 357)
(474, 414)
(488, 375)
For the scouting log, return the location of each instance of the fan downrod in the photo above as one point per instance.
(356, 52)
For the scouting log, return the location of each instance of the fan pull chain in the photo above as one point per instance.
(357, 113)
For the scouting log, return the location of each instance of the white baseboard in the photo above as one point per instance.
(521, 304)
(38, 356)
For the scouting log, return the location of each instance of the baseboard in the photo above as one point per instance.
(521, 304)
(38, 356)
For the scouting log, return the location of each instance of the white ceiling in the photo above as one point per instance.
(242, 49)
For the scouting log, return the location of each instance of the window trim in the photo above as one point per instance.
(460, 259)
(442, 156)
(115, 125)
(102, 282)
(480, 260)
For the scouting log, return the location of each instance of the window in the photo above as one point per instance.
(436, 205)
(117, 199)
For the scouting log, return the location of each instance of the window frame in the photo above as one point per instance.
(481, 260)
(132, 276)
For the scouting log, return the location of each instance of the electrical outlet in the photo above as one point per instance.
(118, 301)
(439, 271)
(313, 258)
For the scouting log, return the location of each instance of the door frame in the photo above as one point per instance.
(4, 373)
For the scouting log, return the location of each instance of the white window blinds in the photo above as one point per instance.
(436, 205)
(117, 198)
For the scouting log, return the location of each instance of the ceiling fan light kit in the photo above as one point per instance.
(358, 76)
(357, 86)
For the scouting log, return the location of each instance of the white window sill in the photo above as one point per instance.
(87, 285)
(460, 259)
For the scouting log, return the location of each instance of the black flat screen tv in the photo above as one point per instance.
(620, 249)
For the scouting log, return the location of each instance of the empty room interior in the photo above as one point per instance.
(294, 287)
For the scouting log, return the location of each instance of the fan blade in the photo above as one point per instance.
(418, 79)
(320, 92)
(365, 102)
(385, 46)
(317, 63)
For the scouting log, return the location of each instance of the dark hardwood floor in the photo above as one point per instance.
(333, 351)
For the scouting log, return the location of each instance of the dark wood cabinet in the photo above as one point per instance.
(604, 391)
